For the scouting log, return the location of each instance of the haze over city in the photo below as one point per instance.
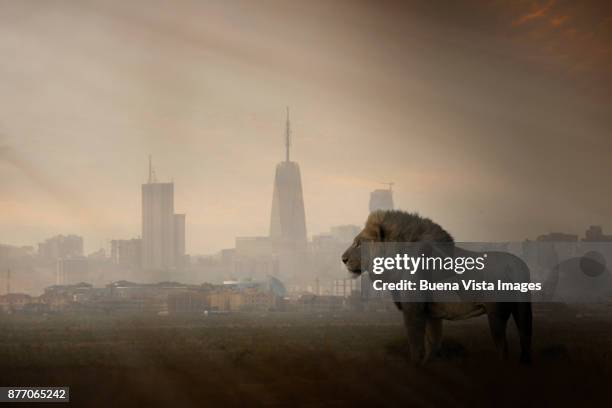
(493, 120)
(306, 203)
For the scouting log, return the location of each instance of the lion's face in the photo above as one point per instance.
(352, 256)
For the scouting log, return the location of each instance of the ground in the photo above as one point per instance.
(281, 359)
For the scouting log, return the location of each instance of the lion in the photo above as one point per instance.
(423, 320)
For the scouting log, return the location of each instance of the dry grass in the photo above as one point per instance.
(303, 360)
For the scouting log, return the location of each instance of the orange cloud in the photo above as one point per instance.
(571, 38)
(538, 13)
(558, 21)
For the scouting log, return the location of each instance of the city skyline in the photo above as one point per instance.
(492, 121)
(299, 202)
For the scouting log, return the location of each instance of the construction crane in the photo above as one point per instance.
(390, 184)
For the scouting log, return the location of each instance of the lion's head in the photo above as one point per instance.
(392, 226)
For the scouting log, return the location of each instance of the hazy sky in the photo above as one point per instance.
(493, 118)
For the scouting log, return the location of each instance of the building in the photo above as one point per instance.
(70, 271)
(381, 199)
(254, 258)
(558, 237)
(288, 219)
(163, 231)
(595, 234)
(269, 284)
(58, 297)
(179, 240)
(61, 246)
(247, 295)
(99, 255)
(193, 301)
(13, 252)
(252, 299)
(232, 296)
(133, 290)
(346, 287)
(12, 302)
(215, 267)
(345, 233)
(127, 253)
(253, 246)
(325, 252)
(158, 225)
(322, 242)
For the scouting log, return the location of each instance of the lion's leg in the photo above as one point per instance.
(498, 320)
(433, 337)
(415, 321)
(523, 318)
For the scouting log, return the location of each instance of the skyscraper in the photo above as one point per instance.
(288, 220)
(381, 199)
(162, 230)
(179, 240)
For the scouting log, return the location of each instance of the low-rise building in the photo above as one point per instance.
(595, 234)
(11, 302)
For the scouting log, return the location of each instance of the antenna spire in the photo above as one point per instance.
(287, 137)
(152, 177)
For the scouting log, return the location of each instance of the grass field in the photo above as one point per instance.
(303, 360)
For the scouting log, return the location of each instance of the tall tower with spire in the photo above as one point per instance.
(288, 219)
(163, 231)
